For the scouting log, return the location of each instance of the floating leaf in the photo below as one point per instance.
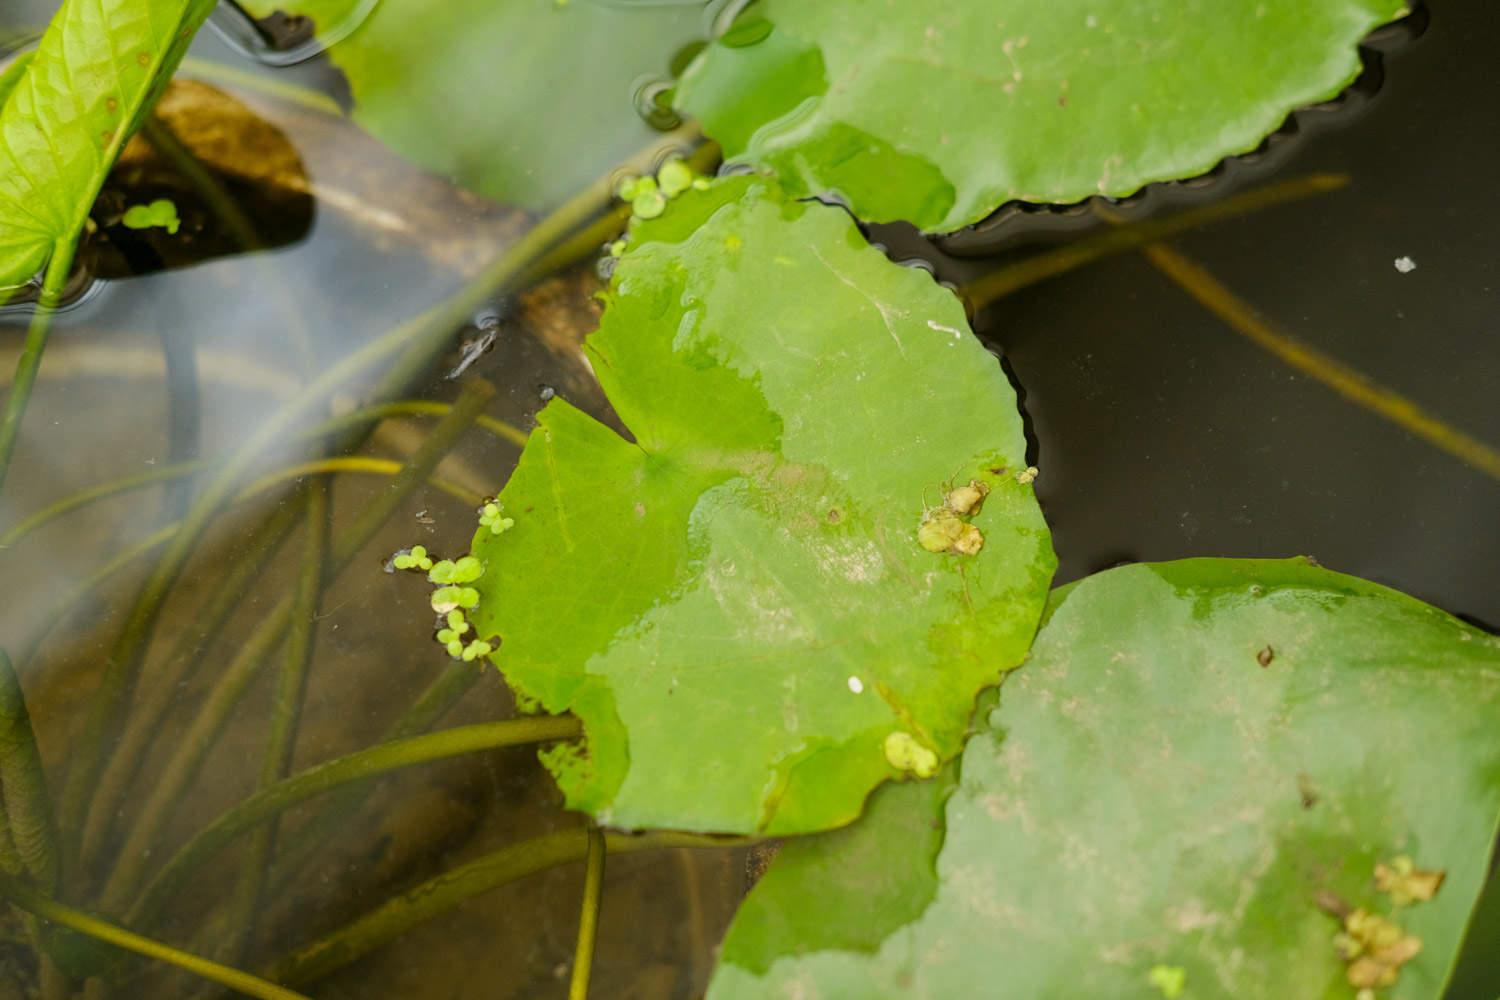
(94, 75)
(938, 113)
(159, 214)
(735, 603)
(1138, 803)
(525, 101)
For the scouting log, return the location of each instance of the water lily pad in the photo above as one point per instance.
(67, 111)
(1202, 766)
(734, 599)
(938, 113)
(525, 101)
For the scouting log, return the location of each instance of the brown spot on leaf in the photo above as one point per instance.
(1405, 882)
(144, 58)
(108, 135)
(967, 500)
(1375, 949)
(1307, 791)
(1265, 656)
(835, 516)
(112, 104)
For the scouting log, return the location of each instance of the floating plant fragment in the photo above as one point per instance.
(159, 214)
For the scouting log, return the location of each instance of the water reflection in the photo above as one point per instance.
(185, 347)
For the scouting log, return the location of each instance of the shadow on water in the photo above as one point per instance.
(1159, 429)
(1162, 432)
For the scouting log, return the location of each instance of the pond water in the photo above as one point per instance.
(1161, 431)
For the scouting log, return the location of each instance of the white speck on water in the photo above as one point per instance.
(1405, 265)
(856, 685)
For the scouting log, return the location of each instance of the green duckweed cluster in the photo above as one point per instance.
(454, 596)
(648, 196)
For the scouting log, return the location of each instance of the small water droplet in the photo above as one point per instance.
(547, 392)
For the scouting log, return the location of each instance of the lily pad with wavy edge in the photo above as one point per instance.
(67, 111)
(938, 113)
(1199, 760)
(734, 600)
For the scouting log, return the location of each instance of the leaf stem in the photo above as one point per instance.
(181, 768)
(146, 720)
(437, 895)
(59, 268)
(29, 899)
(126, 556)
(286, 714)
(451, 685)
(1004, 281)
(588, 917)
(414, 343)
(275, 799)
(126, 484)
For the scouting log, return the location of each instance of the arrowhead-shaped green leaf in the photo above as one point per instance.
(938, 113)
(734, 601)
(1198, 764)
(71, 106)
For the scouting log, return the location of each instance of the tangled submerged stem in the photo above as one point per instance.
(275, 799)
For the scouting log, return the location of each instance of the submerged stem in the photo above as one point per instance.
(414, 345)
(286, 715)
(984, 290)
(456, 679)
(173, 780)
(29, 899)
(588, 917)
(437, 895)
(56, 281)
(157, 697)
(162, 535)
(181, 470)
(277, 798)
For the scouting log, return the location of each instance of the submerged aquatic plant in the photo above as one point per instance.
(746, 618)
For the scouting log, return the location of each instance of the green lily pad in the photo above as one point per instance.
(525, 101)
(734, 600)
(67, 111)
(1198, 765)
(938, 113)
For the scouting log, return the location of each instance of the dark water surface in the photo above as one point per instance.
(1162, 433)
(1159, 430)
